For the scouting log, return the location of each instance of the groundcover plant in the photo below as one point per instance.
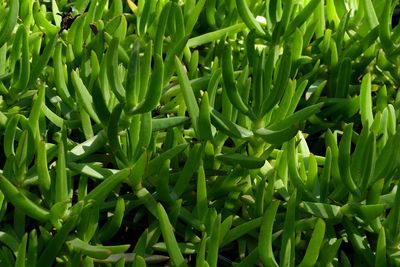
(199, 133)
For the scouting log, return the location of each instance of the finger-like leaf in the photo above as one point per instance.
(366, 101)
(187, 93)
(265, 241)
(169, 237)
(313, 249)
(248, 162)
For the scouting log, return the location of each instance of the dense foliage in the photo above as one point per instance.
(200, 133)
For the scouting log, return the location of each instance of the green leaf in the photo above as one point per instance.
(88, 147)
(21, 256)
(344, 160)
(153, 165)
(321, 210)
(385, 26)
(186, 174)
(100, 192)
(32, 251)
(169, 237)
(286, 254)
(265, 241)
(302, 16)
(112, 70)
(61, 183)
(230, 85)
(55, 244)
(166, 123)
(366, 101)
(371, 17)
(88, 224)
(213, 242)
(380, 257)
(247, 162)
(281, 81)
(187, 93)
(343, 78)
(215, 35)
(194, 16)
(205, 132)
(22, 202)
(297, 117)
(89, 250)
(359, 242)
(84, 96)
(227, 127)
(248, 18)
(314, 247)
(113, 224)
(154, 90)
(329, 251)
(132, 77)
(241, 230)
(9, 22)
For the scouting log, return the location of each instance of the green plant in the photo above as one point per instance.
(202, 133)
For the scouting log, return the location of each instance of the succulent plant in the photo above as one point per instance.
(199, 133)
